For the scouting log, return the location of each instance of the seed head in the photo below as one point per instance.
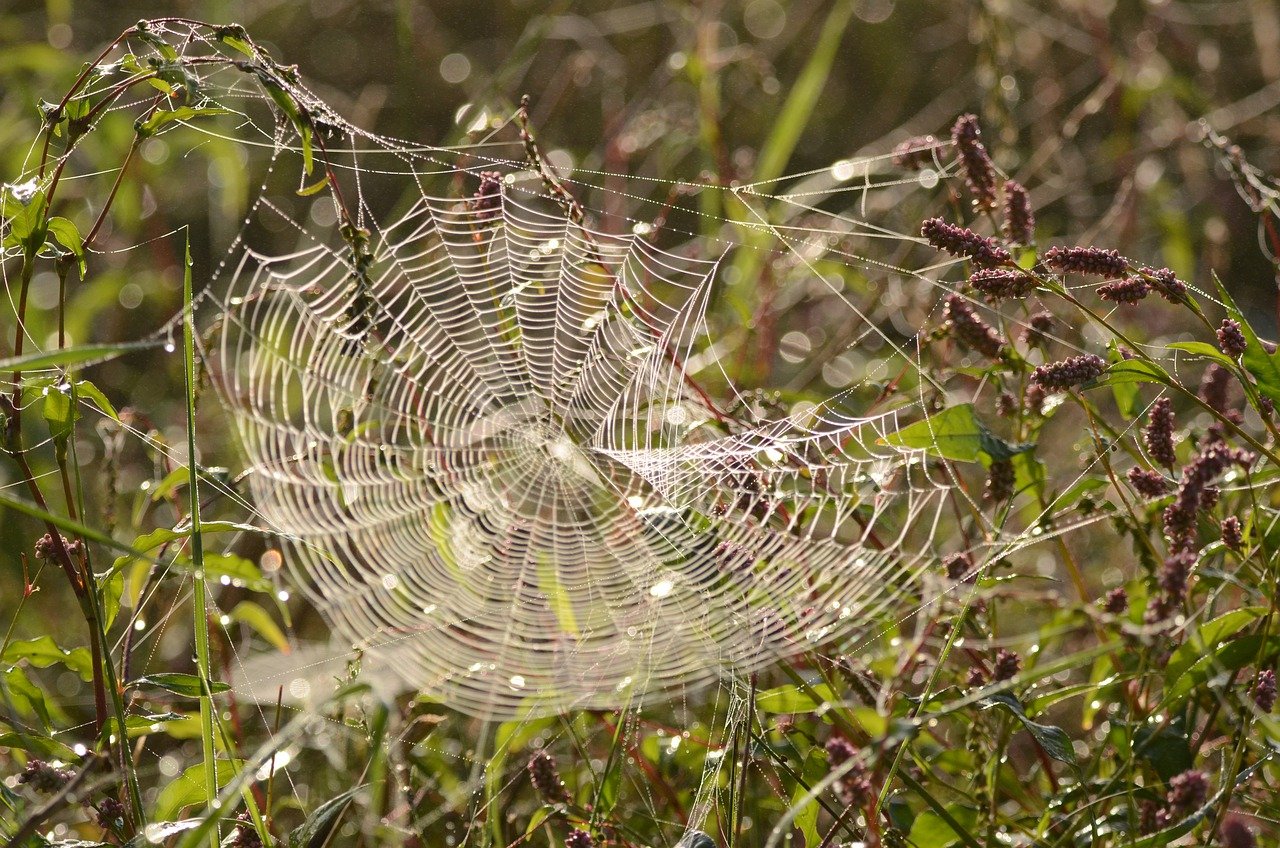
(976, 678)
(1231, 338)
(1069, 372)
(1149, 484)
(1166, 283)
(961, 241)
(44, 777)
(1000, 481)
(970, 329)
(1187, 792)
(488, 197)
(1116, 601)
(915, 153)
(958, 565)
(840, 750)
(1232, 533)
(1034, 398)
(545, 779)
(1264, 690)
(1215, 387)
(1129, 290)
(1006, 405)
(1019, 220)
(1038, 326)
(1235, 833)
(110, 814)
(1158, 434)
(245, 834)
(975, 162)
(1086, 260)
(579, 839)
(1007, 665)
(998, 284)
(1175, 573)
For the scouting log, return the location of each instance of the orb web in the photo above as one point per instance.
(478, 426)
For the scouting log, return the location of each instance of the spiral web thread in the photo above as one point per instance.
(506, 487)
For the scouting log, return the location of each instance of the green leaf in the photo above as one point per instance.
(1167, 748)
(43, 652)
(88, 391)
(78, 355)
(1126, 395)
(24, 697)
(144, 725)
(189, 788)
(1206, 637)
(42, 746)
(233, 35)
(158, 120)
(314, 188)
(1054, 740)
(1232, 656)
(794, 699)
(258, 619)
(1265, 367)
(1131, 371)
(60, 412)
(930, 830)
(315, 831)
(957, 434)
(1203, 350)
(110, 591)
(187, 685)
(67, 235)
(23, 208)
(953, 434)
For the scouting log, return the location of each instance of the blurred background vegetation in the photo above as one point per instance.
(1095, 105)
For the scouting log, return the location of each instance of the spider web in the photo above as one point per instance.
(505, 487)
(479, 426)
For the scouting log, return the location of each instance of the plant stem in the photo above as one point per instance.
(201, 620)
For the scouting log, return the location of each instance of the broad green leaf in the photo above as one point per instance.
(26, 698)
(955, 433)
(1231, 656)
(42, 746)
(88, 391)
(1203, 350)
(319, 826)
(189, 788)
(23, 208)
(1206, 637)
(158, 120)
(187, 685)
(1131, 371)
(68, 235)
(43, 652)
(1054, 740)
(1126, 395)
(60, 412)
(930, 830)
